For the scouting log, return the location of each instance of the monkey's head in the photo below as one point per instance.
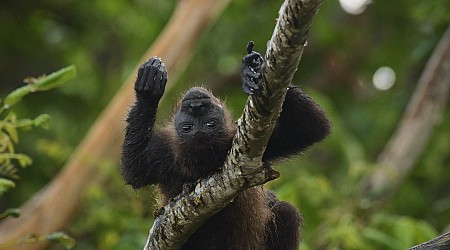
(200, 115)
(204, 130)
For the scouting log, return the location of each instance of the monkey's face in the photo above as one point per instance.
(199, 116)
(204, 131)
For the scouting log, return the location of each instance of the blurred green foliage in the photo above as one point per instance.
(9, 137)
(104, 40)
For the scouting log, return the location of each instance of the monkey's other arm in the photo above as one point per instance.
(144, 152)
(301, 123)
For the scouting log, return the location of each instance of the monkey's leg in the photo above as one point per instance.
(284, 229)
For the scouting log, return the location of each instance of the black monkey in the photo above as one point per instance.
(194, 144)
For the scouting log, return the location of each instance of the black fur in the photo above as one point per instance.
(195, 143)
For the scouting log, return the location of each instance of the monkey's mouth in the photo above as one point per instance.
(196, 140)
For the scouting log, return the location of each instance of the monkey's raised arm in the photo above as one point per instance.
(139, 163)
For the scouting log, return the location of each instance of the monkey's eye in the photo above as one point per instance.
(211, 124)
(186, 127)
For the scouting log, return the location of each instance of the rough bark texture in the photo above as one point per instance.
(439, 243)
(243, 167)
(52, 208)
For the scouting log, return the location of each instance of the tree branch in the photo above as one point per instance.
(423, 113)
(441, 242)
(243, 167)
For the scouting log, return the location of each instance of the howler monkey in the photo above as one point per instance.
(194, 144)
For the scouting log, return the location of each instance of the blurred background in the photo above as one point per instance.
(361, 64)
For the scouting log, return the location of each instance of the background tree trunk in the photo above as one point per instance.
(52, 208)
(424, 112)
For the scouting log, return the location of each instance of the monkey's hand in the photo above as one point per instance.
(251, 70)
(151, 81)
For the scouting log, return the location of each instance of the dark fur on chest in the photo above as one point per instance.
(202, 155)
(246, 217)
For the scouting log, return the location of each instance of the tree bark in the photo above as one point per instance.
(51, 209)
(441, 242)
(243, 167)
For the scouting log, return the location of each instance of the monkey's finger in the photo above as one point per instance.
(249, 72)
(137, 84)
(254, 75)
(252, 83)
(250, 46)
(140, 81)
(159, 83)
(163, 74)
(248, 89)
(151, 74)
(143, 74)
(165, 78)
(155, 61)
(253, 60)
(149, 63)
(249, 84)
(251, 57)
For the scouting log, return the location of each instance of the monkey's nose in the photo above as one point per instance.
(196, 101)
(197, 107)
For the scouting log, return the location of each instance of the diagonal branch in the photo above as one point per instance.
(423, 113)
(243, 166)
(440, 242)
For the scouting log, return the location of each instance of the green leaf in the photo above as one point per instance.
(61, 238)
(40, 84)
(6, 144)
(5, 184)
(8, 125)
(404, 231)
(17, 95)
(424, 232)
(24, 160)
(24, 123)
(55, 79)
(382, 238)
(12, 132)
(13, 212)
(42, 121)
